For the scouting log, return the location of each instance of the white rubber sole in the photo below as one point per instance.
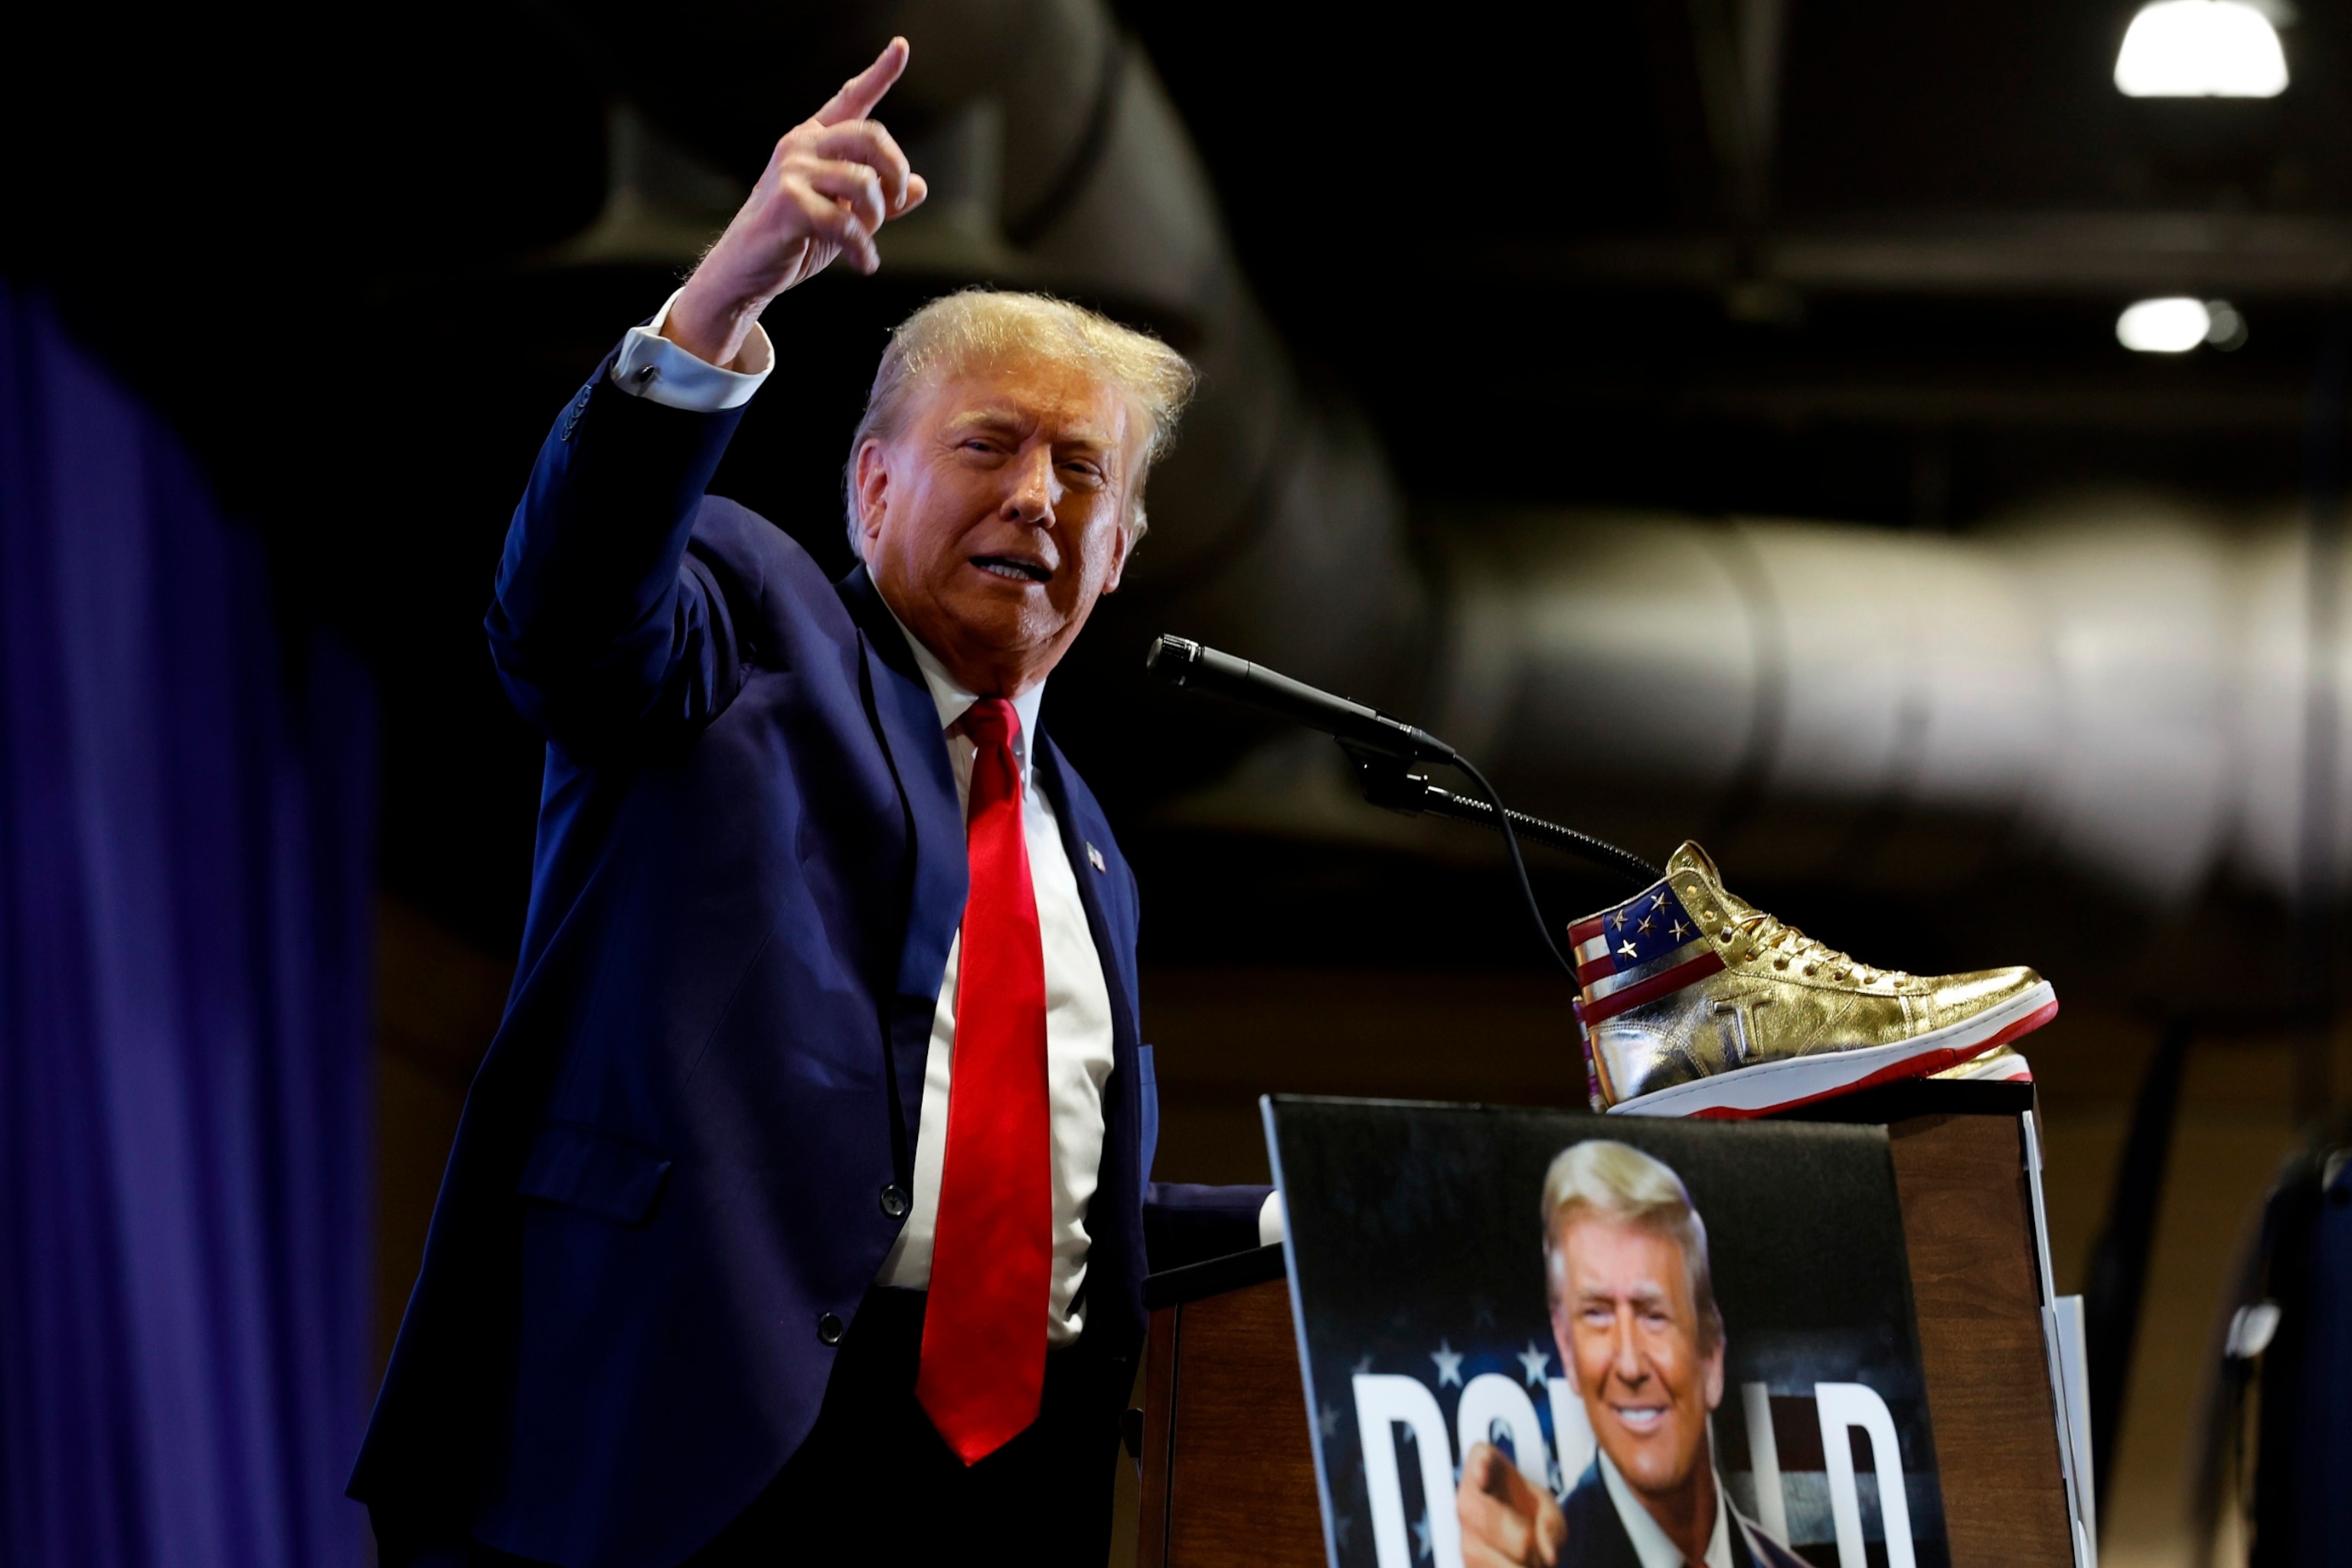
(1768, 1087)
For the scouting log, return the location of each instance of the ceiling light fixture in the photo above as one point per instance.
(2176, 324)
(2170, 326)
(2200, 49)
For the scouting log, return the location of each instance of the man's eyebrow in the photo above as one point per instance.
(1002, 418)
(989, 415)
(1646, 1292)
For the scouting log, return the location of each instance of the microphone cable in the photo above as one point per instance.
(1519, 863)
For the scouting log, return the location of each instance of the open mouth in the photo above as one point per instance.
(1013, 568)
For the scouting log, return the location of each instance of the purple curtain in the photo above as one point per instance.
(186, 815)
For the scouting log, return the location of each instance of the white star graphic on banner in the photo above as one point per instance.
(1364, 1368)
(1449, 1364)
(1421, 1536)
(1330, 1421)
(1535, 1361)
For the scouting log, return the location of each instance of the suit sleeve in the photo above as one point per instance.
(603, 625)
(1187, 1224)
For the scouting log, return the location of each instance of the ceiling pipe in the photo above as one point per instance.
(2118, 684)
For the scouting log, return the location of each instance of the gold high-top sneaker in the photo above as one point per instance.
(1697, 1003)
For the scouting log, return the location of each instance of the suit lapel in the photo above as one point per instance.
(1103, 892)
(907, 722)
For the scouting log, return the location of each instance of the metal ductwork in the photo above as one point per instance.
(2118, 684)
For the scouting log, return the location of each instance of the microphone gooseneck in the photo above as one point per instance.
(1381, 748)
(1180, 661)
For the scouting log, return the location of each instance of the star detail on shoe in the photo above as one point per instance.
(1449, 1364)
(1647, 922)
(1663, 899)
(1679, 931)
(1626, 950)
(1620, 918)
(1537, 1363)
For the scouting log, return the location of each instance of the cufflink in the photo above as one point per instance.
(1094, 858)
(645, 372)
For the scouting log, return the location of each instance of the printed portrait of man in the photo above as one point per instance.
(1633, 1313)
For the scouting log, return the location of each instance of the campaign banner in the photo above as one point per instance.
(1586, 1341)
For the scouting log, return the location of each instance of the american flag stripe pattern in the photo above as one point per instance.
(1645, 948)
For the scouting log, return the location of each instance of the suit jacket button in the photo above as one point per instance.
(828, 1329)
(894, 1201)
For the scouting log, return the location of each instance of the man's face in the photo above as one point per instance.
(1628, 1330)
(998, 515)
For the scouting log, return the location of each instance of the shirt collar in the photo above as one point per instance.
(1650, 1542)
(952, 700)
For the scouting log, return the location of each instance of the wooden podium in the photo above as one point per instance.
(1224, 1484)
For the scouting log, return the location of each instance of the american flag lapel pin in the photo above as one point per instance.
(1094, 858)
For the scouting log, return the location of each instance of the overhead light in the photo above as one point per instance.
(2171, 326)
(2176, 324)
(2200, 49)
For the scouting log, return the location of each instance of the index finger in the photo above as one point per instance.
(861, 92)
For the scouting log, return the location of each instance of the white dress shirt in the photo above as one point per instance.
(657, 369)
(1077, 1027)
(1651, 1543)
(1077, 1001)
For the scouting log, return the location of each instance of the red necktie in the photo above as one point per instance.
(992, 1254)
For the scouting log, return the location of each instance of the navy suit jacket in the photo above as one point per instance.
(670, 1169)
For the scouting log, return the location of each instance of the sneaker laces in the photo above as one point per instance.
(1768, 932)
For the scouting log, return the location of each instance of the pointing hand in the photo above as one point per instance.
(832, 182)
(1505, 1520)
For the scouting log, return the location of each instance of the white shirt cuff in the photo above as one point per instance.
(657, 369)
(1270, 1227)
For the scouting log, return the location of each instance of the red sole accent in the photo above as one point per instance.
(1920, 1066)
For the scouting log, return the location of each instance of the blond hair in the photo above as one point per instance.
(975, 327)
(1619, 1183)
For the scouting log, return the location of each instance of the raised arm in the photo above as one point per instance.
(602, 621)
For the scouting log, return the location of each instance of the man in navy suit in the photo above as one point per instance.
(1634, 1316)
(802, 1205)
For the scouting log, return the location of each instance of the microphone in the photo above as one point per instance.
(1180, 661)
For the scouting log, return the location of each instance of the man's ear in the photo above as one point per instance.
(873, 491)
(1122, 544)
(1564, 1341)
(1714, 1375)
(1563, 1335)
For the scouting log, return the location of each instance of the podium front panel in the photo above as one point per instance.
(1228, 1471)
(1968, 1224)
(1228, 1467)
